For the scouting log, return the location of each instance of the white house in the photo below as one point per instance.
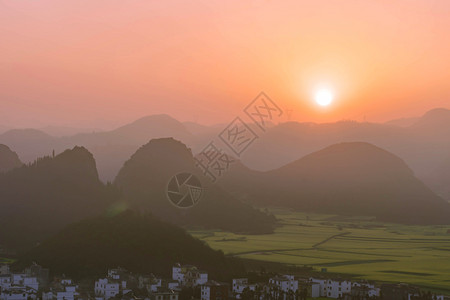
(173, 285)
(188, 275)
(370, 289)
(177, 273)
(239, 285)
(105, 289)
(18, 293)
(63, 290)
(315, 289)
(18, 280)
(5, 281)
(30, 282)
(322, 286)
(312, 288)
(286, 283)
(333, 288)
(213, 290)
(155, 285)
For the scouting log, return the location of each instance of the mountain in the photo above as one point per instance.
(139, 243)
(435, 119)
(346, 178)
(37, 200)
(439, 179)
(60, 131)
(29, 143)
(8, 159)
(110, 148)
(144, 180)
(403, 122)
(139, 131)
(199, 129)
(287, 142)
(424, 145)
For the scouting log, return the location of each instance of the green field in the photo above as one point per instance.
(4, 260)
(357, 246)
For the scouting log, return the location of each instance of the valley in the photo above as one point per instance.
(356, 246)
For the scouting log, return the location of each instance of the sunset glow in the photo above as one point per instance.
(66, 61)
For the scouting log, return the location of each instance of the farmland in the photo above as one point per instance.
(356, 246)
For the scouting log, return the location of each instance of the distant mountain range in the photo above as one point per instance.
(110, 148)
(348, 179)
(423, 143)
(61, 131)
(131, 240)
(403, 122)
(424, 146)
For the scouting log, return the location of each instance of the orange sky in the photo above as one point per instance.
(106, 62)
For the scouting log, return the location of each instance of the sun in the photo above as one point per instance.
(323, 97)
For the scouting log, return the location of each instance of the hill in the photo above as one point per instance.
(37, 200)
(139, 243)
(110, 148)
(421, 142)
(403, 122)
(8, 159)
(144, 179)
(435, 119)
(348, 179)
(424, 145)
(60, 131)
(29, 144)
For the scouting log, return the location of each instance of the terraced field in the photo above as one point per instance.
(358, 246)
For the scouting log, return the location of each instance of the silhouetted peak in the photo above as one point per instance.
(361, 151)
(77, 154)
(152, 121)
(436, 112)
(350, 158)
(164, 147)
(8, 159)
(78, 162)
(436, 117)
(355, 147)
(26, 134)
(159, 117)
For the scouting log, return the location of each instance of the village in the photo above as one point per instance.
(188, 282)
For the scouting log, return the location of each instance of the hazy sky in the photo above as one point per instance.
(106, 62)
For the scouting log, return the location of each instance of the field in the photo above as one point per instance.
(4, 260)
(355, 246)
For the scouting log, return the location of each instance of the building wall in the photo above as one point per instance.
(106, 289)
(205, 293)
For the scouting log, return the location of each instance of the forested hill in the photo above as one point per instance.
(144, 179)
(39, 199)
(140, 243)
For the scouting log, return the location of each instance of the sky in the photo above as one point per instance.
(103, 63)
